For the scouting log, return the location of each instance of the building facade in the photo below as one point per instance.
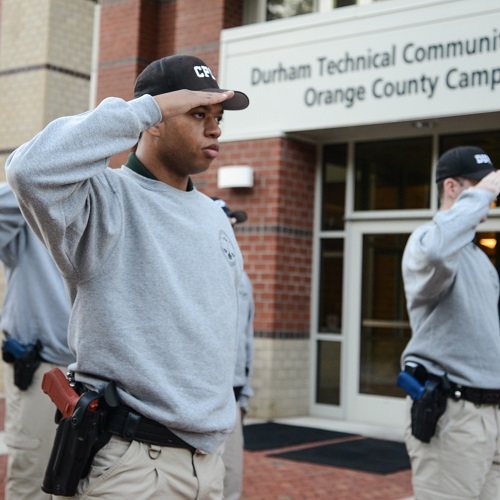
(46, 49)
(350, 108)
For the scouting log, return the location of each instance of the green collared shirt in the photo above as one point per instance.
(137, 166)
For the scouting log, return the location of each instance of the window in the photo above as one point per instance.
(393, 174)
(385, 329)
(344, 3)
(328, 373)
(334, 179)
(278, 9)
(332, 267)
(258, 11)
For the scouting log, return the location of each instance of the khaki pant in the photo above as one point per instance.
(125, 469)
(233, 460)
(29, 435)
(462, 461)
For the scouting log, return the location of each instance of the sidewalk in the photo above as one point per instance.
(272, 478)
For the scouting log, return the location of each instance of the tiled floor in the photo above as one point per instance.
(270, 478)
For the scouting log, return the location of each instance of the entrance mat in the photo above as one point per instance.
(269, 435)
(366, 454)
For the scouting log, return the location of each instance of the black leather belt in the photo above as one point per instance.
(474, 395)
(124, 422)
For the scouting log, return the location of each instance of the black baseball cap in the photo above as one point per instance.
(464, 161)
(239, 215)
(183, 72)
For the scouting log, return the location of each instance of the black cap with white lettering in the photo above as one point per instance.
(183, 72)
(464, 161)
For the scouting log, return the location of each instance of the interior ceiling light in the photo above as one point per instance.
(488, 242)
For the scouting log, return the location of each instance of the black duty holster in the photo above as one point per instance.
(426, 411)
(24, 358)
(78, 439)
(429, 394)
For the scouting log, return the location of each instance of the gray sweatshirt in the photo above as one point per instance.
(452, 292)
(153, 272)
(36, 304)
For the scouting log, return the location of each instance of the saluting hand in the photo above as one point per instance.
(181, 101)
(491, 182)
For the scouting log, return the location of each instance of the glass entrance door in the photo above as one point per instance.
(378, 321)
(384, 326)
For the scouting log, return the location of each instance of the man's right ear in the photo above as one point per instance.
(449, 183)
(452, 187)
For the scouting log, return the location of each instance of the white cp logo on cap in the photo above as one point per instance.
(203, 72)
(482, 158)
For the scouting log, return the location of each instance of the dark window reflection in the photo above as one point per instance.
(328, 373)
(393, 175)
(344, 3)
(385, 329)
(330, 307)
(334, 179)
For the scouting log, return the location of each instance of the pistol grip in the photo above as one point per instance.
(411, 385)
(57, 387)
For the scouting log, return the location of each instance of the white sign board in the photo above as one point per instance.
(423, 61)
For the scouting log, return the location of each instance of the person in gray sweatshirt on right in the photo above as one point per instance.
(153, 270)
(453, 358)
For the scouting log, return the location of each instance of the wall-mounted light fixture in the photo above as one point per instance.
(235, 176)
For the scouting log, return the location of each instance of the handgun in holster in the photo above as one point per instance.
(25, 359)
(79, 433)
(429, 399)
